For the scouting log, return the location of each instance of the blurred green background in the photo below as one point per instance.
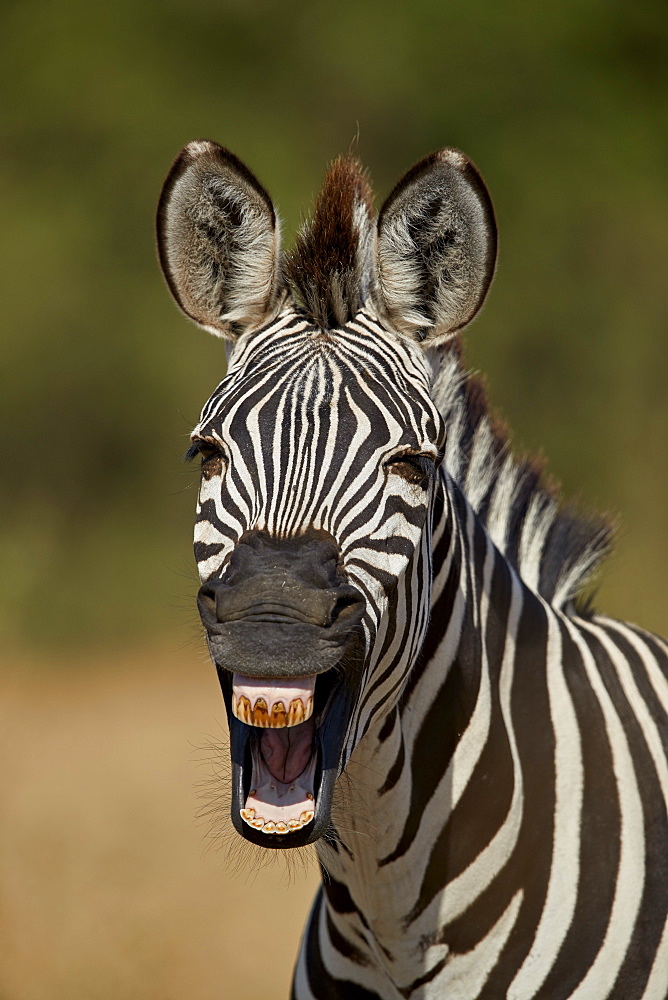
(563, 106)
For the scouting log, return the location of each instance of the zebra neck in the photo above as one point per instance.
(420, 764)
(473, 876)
(411, 864)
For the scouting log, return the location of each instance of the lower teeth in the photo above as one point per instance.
(269, 826)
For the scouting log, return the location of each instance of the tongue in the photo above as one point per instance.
(286, 752)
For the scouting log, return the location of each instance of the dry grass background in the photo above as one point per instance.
(111, 887)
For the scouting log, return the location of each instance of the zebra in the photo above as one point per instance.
(394, 605)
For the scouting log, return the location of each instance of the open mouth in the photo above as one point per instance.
(286, 738)
(283, 759)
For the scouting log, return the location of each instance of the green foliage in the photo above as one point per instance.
(563, 107)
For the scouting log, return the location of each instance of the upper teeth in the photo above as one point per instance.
(259, 702)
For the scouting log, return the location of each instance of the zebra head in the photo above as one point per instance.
(320, 452)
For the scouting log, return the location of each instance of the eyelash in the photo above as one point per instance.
(416, 469)
(205, 449)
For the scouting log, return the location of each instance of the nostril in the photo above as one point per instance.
(344, 605)
(206, 600)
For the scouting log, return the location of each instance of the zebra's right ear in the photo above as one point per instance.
(436, 248)
(218, 241)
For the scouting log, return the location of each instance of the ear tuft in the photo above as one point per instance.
(331, 265)
(218, 240)
(436, 248)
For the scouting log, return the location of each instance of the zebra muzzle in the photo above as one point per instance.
(258, 702)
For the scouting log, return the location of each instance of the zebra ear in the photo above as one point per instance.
(436, 247)
(218, 240)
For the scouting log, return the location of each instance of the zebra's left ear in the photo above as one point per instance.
(436, 248)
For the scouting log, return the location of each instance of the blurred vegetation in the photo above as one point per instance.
(563, 105)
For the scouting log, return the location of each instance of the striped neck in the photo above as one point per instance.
(441, 827)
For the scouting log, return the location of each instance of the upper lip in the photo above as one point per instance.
(348, 607)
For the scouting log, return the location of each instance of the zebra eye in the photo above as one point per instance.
(416, 469)
(211, 455)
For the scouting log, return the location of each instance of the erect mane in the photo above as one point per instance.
(554, 547)
(330, 266)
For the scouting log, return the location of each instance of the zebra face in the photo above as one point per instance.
(319, 458)
(319, 453)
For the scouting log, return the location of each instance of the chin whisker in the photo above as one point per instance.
(241, 858)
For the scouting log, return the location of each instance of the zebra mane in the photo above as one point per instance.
(554, 547)
(330, 267)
